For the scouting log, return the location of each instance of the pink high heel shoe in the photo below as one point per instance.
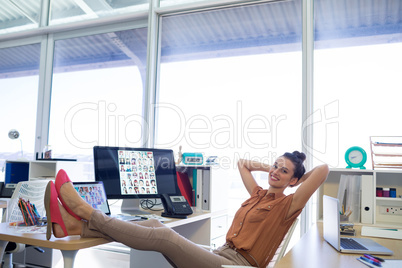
(62, 178)
(53, 213)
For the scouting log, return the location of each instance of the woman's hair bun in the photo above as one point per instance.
(297, 159)
(300, 155)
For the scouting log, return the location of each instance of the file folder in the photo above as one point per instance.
(367, 199)
(206, 189)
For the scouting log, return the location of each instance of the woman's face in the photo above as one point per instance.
(281, 174)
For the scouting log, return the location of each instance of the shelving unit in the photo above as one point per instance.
(388, 199)
(388, 179)
(386, 152)
(376, 206)
(218, 196)
(48, 169)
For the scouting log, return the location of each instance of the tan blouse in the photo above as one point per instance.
(259, 226)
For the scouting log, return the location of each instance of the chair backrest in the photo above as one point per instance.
(281, 250)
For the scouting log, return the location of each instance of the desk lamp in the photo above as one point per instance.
(14, 134)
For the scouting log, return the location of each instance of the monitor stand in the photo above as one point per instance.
(132, 207)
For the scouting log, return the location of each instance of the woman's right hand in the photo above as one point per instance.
(245, 169)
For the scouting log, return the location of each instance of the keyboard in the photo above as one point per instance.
(153, 216)
(126, 217)
(348, 243)
(141, 217)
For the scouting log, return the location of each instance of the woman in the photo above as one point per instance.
(257, 229)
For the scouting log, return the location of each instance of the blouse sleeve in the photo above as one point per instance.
(256, 190)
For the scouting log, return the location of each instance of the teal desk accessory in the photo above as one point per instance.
(193, 159)
(356, 157)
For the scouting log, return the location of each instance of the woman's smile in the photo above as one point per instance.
(274, 178)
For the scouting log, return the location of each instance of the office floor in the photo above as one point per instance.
(108, 255)
(100, 257)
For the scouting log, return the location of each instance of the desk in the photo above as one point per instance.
(313, 251)
(197, 228)
(200, 228)
(69, 246)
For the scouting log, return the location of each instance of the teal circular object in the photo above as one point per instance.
(356, 157)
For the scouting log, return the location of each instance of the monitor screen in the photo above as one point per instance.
(16, 171)
(135, 172)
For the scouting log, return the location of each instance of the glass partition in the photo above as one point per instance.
(357, 81)
(19, 78)
(19, 15)
(63, 11)
(97, 92)
(230, 85)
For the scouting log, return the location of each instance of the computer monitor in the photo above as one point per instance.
(135, 173)
(16, 171)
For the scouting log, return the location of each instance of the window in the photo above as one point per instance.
(64, 11)
(177, 2)
(230, 85)
(19, 15)
(18, 103)
(356, 88)
(97, 92)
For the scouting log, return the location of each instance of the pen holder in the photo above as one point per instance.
(33, 191)
(344, 218)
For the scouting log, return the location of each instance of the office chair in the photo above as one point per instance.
(29, 190)
(280, 252)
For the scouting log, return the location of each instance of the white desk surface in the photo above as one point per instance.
(197, 215)
(12, 234)
(8, 233)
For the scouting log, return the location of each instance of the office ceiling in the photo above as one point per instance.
(262, 28)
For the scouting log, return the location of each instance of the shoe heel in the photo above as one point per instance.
(48, 214)
(53, 213)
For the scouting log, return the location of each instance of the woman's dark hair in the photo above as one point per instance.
(297, 159)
